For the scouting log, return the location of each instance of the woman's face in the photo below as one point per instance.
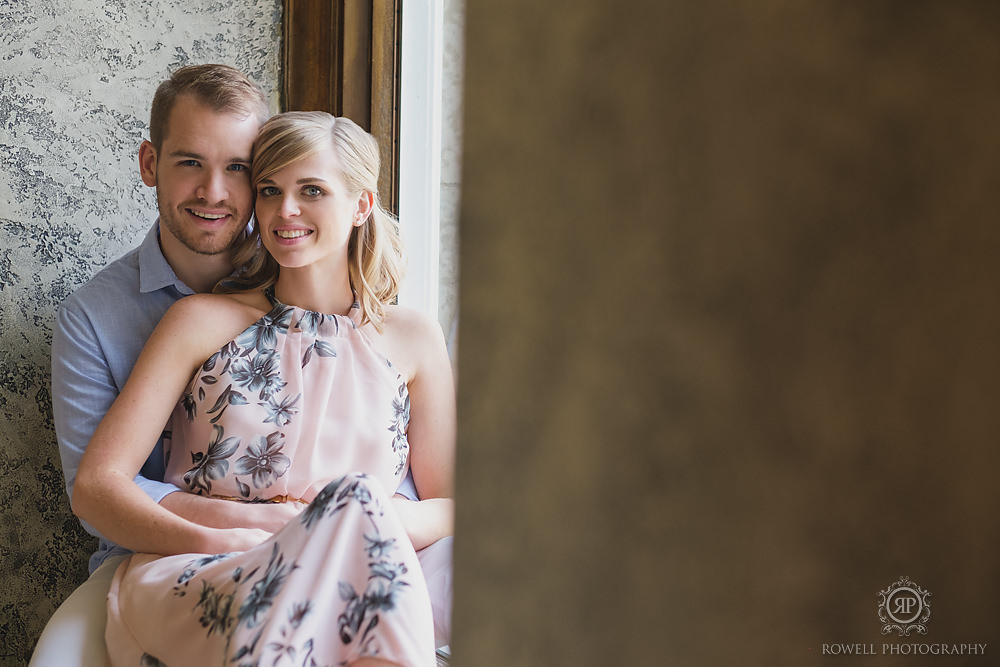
(305, 212)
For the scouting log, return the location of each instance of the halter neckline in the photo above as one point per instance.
(269, 293)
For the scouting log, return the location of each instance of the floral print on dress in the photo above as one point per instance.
(213, 464)
(247, 600)
(291, 409)
(281, 413)
(258, 373)
(264, 461)
(386, 578)
(249, 370)
(228, 397)
(263, 334)
(322, 348)
(310, 322)
(400, 421)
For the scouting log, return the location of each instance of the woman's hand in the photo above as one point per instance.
(425, 521)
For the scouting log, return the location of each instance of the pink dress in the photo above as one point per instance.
(300, 407)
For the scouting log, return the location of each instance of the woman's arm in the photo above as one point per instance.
(425, 521)
(106, 495)
(222, 513)
(431, 433)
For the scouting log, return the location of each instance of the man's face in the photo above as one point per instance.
(202, 176)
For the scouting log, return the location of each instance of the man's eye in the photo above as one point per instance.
(189, 163)
(238, 167)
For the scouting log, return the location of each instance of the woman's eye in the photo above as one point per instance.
(268, 191)
(312, 191)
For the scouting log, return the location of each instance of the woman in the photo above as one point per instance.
(283, 391)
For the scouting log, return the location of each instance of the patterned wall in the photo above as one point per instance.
(76, 78)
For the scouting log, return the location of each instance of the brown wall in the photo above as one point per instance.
(730, 304)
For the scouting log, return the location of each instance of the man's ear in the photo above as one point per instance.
(366, 202)
(147, 163)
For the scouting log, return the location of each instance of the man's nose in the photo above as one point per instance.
(212, 188)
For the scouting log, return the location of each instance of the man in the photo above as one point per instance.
(203, 122)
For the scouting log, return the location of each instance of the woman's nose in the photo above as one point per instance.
(288, 207)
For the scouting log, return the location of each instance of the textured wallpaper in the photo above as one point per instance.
(76, 79)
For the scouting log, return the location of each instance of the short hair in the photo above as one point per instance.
(220, 87)
(375, 250)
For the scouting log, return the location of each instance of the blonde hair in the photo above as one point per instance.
(375, 251)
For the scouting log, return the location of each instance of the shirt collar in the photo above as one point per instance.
(154, 271)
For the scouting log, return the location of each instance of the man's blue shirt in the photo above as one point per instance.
(100, 331)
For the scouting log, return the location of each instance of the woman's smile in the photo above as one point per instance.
(291, 236)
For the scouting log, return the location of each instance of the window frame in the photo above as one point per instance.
(368, 60)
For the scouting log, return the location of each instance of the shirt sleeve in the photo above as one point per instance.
(83, 389)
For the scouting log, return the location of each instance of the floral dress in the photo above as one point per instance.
(299, 407)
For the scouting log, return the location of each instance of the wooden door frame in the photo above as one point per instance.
(343, 57)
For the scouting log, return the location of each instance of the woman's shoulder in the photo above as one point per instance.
(413, 340)
(412, 324)
(193, 329)
(212, 317)
(240, 304)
